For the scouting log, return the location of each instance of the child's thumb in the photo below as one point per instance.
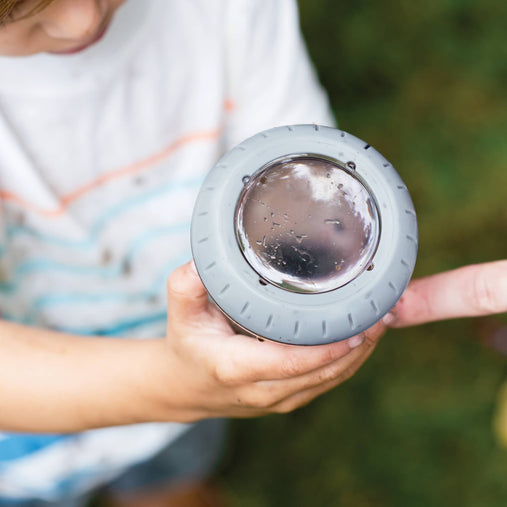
(186, 295)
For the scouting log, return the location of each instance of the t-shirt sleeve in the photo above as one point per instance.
(271, 80)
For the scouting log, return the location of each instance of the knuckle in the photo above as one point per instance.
(285, 408)
(295, 403)
(328, 355)
(426, 306)
(416, 299)
(371, 340)
(328, 374)
(223, 373)
(347, 373)
(291, 366)
(271, 397)
(258, 401)
(264, 398)
(484, 297)
(173, 283)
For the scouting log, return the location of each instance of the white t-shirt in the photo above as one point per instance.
(101, 157)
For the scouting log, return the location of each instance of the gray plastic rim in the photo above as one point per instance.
(274, 313)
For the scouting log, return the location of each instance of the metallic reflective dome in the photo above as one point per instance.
(307, 224)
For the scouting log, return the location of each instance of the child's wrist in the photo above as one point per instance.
(162, 394)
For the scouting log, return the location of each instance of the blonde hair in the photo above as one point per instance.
(8, 6)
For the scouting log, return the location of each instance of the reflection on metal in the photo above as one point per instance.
(307, 224)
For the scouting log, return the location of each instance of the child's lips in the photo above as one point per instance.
(81, 47)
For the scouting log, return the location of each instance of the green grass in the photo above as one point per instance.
(425, 84)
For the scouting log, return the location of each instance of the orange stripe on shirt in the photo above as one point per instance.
(229, 105)
(146, 163)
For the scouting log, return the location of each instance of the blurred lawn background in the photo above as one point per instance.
(425, 84)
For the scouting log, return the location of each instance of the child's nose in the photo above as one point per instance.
(73, 19)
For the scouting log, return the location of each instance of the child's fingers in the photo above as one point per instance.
(303, 397)
(284, 395)
(248, 360)
(186, 295)
(253, 361)
(470, 291)
(338, 370)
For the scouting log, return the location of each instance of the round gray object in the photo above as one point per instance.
(267, 309)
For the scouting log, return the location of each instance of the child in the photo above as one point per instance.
(111, 113)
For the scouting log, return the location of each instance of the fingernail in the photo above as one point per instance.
(389, 318)
(193, 268)
(355, 341)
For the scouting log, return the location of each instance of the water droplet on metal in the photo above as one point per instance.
(325, 239)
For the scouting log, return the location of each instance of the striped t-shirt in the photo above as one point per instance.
(101, 156)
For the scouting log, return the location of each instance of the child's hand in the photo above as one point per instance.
(214, 372)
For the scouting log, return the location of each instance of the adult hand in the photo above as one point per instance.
(470, 291)
(214, 372)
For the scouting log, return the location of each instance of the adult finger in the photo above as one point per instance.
(479, 289)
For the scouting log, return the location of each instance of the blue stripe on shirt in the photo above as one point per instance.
(105, 218)
(118, 329)
(19, 445)
(115, 270)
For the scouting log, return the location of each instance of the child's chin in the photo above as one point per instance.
(82, 47)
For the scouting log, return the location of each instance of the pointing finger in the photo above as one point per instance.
(479, 289)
